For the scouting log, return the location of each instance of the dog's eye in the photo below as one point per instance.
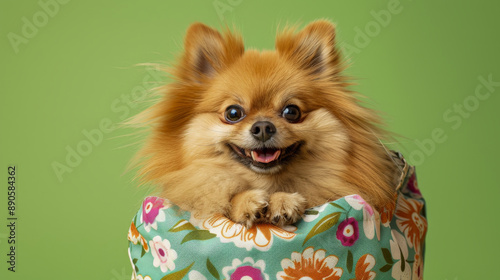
(234, 114)
(291, 113)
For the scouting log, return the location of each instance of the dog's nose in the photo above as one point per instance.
(263, 130)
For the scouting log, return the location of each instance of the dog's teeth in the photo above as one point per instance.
(247, 152)
(254, 155)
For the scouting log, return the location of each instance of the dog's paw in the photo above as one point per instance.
(285, 208)
(249, 207)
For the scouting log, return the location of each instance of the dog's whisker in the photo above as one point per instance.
(205, 145)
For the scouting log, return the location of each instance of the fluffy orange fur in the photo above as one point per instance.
(190, 156)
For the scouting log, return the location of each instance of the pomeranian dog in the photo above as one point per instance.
(262, 136)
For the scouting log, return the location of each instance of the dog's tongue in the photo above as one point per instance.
(265, 155)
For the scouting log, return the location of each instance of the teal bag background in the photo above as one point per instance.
(68, 77)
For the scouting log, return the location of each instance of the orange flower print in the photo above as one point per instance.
(410, 222)
(364, 268)
(259, 236)
(310, 265)
(135, 237)
(387, 212)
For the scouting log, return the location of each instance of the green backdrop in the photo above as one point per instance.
(68, 77)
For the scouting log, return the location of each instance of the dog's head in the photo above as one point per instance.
(264, 110)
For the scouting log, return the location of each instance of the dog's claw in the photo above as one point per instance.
(276, 220)
(247, 207)
(285, 208)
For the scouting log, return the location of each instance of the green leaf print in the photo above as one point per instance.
(324, 224)
(177, 275)
(386, 267)
(198, 235)
(211, 268)
(336, 205)
(182, 225)
(387, 255)
(349, 261)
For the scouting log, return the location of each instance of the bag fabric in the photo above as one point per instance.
(342, 239)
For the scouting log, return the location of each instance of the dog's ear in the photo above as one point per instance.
(208, 52)
(313, 48)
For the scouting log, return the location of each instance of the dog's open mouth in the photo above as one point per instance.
(265, 158)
